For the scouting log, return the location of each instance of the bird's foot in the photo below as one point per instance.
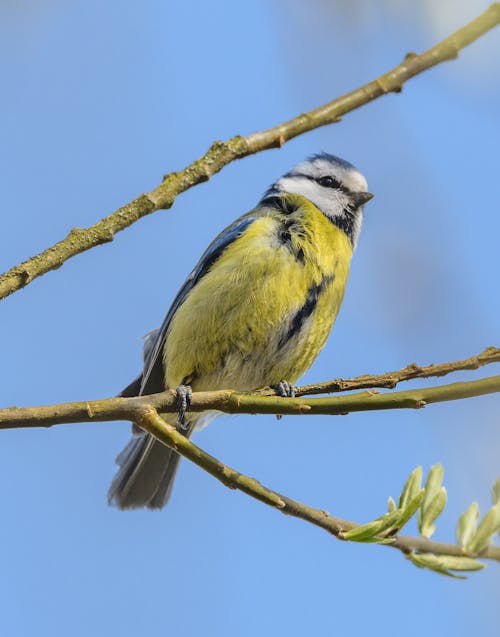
(184, 395)
(285, 390)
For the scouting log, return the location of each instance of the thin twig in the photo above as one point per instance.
(222, 153)
(391, 379)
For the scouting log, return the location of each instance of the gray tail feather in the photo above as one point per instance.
(146, 474)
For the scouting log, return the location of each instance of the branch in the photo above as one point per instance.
(441, 557)
(391, 379)
(232, 402)
(222, 153)
(150, 421)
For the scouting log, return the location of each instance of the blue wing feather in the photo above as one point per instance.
(153, 375)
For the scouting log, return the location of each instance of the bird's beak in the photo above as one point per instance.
(360, 198)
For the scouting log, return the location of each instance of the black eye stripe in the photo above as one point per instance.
(334, 183)
(330, 182)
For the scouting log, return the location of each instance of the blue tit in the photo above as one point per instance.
(255, 311)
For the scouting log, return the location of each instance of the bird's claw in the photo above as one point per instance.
(285, 390)
(184, 395)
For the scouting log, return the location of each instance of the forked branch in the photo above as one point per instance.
(429, 502)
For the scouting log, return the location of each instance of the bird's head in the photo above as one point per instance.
(333, 185)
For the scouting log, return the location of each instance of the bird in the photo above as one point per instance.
(255, 311)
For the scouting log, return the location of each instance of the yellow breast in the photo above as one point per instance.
(264, 310)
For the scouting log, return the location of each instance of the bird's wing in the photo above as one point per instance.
(152, 380)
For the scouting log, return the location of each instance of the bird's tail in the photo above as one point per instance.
(146, 474)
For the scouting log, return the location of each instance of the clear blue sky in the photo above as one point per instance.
(99, 101)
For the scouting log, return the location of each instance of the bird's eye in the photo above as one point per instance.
(328, 182)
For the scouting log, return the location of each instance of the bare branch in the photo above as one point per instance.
(222, 153)
(144, 412)
(150, 421)
(232, 402)
(391, 379)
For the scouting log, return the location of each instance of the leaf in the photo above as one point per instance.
(364, 532)
(411, 488)
(369, 531)
(488, 526)
(495, 491)
(434, 481)
(444, 564)
(411, 508)
(432, 488)
(379, 529)
(391, 505)
(466, 526)
(379, 540)
(421, 560)
(432, 511)
(461, 563)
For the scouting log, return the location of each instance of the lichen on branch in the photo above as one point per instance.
(222, 153)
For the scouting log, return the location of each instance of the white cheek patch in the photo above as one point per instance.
(331, 202)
